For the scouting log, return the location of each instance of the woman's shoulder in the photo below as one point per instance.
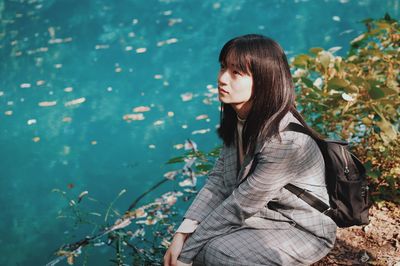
(290, 139)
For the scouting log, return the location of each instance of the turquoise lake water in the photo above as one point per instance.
(72, 70)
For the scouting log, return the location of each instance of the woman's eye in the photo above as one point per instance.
(236, 72)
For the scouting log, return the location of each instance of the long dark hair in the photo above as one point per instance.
(273, 91)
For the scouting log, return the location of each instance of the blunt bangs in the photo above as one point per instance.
(234, 56)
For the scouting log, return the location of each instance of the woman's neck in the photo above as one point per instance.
(242, 110)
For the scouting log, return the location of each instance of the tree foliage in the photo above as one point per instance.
(356, 98)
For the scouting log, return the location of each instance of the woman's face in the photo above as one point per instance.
(234, 87)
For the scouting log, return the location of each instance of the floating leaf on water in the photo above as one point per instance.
(67, 119)
(101, 46)
(187, 96)
(47, 104)
(170, 175)
(130, 117)
(216, 5)
(173, 21)
(158, 122)
(334, 49)
(187, 182)
(171, 200)
(200, 131)
(70, 259)
(58, 40)
(207, 101)
(169, 41)
(141, 50)
(357, 39)
(68, 89)
(52, 32)
(25, 85)
(200, 117)
(36, 139)
(66, 149)
(76, 101)
(84, 193)
(190, 145)
(58, 190)
(165, 243)
(190, 190)
(178, 146)
(172, 40)
(141, 109)
(140, 213)
(121, 192)
(31, 121)
(121, 224)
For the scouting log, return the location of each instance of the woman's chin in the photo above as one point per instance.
(222, 99)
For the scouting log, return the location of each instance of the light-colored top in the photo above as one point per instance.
(188, 225)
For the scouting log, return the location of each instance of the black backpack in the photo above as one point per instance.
(346, 182)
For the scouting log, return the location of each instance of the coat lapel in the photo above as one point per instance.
(237, 173)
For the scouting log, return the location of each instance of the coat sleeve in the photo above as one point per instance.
(273, 171)
(187, 226)
(212, 193)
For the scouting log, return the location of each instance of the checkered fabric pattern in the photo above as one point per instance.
(237, 226)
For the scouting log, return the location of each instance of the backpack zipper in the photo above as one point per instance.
(346, 168)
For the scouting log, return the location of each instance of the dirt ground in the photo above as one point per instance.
(375, 244)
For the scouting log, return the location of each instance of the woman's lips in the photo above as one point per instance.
(222, 90)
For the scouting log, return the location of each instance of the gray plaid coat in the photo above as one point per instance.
(237, 227)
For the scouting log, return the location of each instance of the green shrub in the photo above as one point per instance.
(356, 98)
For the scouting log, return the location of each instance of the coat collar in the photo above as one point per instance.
(232, 153)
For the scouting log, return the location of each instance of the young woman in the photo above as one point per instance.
(243, 215)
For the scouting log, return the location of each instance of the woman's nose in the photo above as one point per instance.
(223, 77)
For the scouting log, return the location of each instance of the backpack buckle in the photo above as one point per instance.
(328, 211)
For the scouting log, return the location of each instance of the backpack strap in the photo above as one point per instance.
(298, 128)
(308, 198)
(302, 193)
